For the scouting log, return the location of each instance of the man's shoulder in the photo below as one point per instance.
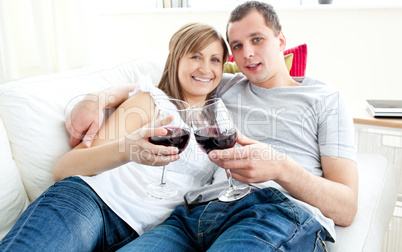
(307, 81)
(229, 81)
(233, 78)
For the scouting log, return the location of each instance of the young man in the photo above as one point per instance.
(301, 160)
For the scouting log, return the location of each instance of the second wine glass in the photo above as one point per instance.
(178, 135)
(214, 130)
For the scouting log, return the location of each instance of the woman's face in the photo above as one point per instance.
(200, 72)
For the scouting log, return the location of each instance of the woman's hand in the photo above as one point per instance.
(140, 150)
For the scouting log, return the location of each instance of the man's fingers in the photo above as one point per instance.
(232, 164)
(243, 140)
(74, 141)
(90, 135)
(232, 153)
(75, 136)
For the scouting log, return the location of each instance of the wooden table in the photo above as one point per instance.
(362, 117)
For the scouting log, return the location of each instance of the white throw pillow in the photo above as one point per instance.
(12, 192)
(33, 112)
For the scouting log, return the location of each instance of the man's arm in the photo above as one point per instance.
(84, 121)
(335, 194)
(122, 139)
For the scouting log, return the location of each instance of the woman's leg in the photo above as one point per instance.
(69, 216)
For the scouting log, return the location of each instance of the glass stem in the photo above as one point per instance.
(230, 180)
(163, 179)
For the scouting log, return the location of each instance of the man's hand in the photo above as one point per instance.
(253, 162)
(84, 121)
(86, 118)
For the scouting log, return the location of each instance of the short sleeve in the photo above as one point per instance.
(144, 84)
(336, 129)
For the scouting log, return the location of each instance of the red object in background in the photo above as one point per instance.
(299, 62)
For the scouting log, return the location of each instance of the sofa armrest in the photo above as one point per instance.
(377, 198)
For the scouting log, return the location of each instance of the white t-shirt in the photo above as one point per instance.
(123, 189)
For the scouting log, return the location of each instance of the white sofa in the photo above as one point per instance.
(33, 137)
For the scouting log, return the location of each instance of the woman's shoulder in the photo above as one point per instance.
(145, 84)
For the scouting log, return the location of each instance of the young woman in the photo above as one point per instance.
(100, 202)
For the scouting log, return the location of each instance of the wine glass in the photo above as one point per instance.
(178, 135)
(214, 130)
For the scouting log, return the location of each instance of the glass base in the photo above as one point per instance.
(235, 193)
(159, 191)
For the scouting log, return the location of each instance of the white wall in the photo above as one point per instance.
(356, 50)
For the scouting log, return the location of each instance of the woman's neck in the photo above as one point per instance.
(194, 100)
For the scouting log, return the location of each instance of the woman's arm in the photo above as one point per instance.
(120, 140)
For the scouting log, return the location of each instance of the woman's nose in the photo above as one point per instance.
(205, 67)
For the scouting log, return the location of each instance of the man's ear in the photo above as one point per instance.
(282, 41)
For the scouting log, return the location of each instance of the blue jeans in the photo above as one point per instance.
(69, 216)
(264, 220)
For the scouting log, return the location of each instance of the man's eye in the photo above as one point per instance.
(256, 39)
(236, 46)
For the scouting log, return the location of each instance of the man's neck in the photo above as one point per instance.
(280, 80)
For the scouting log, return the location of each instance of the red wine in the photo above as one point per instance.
(176, 137)
(211, 138)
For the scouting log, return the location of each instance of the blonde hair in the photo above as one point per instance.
(190, 38)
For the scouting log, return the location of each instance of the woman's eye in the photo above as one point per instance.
(195, 57)
(216, 60)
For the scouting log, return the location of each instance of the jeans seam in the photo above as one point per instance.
(200, 234)
(291, 208)
(323, 245)
(264, 241)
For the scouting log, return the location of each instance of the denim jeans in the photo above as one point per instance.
(264, 220)
(69, 216)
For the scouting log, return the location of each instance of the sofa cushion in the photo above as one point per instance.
(299, 62)
(378, 188)
(33, 111)
(13, 199)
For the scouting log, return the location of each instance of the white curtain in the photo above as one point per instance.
(42, 36)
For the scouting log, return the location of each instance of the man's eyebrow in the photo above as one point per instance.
(233, 42)
(255, 34)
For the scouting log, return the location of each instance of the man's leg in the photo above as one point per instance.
(69, 216)
(164, 237)
(267, 221)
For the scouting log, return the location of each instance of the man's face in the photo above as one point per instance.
(255, 48)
